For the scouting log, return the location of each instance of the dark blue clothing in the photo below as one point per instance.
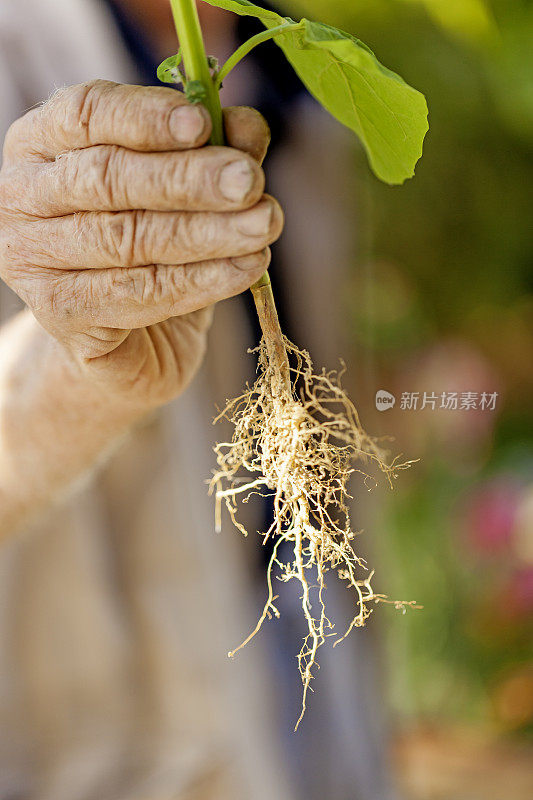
(277, 89)
(136, 43)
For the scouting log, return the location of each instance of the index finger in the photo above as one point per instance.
(143, 118)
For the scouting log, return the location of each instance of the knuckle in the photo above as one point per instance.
(161, 122)
(197, 285)
(143, 285)
(68, 301)
(146, 115)
(117, 237)
(152, 285)
(202, 232)
(100, 177)
(49, 296)
(80, 103)
(108, 168)
(92, 177)
(56, 299)
(137, 242)
(123, 237)
(187, 286)
(180, 282)
(73, 109)
(184, 173)
(193, 286)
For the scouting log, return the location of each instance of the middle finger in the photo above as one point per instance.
(111, 178)
(100, 240)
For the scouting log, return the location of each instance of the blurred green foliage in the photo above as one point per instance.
(448, 257)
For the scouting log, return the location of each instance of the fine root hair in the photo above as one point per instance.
(299, 446)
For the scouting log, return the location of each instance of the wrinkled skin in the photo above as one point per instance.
(120, 230)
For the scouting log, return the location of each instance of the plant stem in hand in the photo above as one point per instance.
(195, 60)
(197, 69)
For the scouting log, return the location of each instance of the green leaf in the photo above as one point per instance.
(343, 74)
(244, 8)
(168, 71)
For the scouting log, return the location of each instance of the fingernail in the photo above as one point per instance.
(252, 261)
(236, 180)
(187, 123)
(257, 221)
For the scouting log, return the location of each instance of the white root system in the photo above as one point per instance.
(300, 446)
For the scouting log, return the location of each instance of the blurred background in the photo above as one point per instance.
(426, 291)
(441, 300)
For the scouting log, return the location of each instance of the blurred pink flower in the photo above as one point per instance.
(490, 516)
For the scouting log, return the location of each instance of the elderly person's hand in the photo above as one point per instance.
(120, 230)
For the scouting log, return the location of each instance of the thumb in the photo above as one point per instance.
(246, 129)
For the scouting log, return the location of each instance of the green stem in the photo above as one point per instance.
(195, 60)
(197, 69)
(245, 48)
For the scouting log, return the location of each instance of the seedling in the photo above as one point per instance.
(297, 436)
